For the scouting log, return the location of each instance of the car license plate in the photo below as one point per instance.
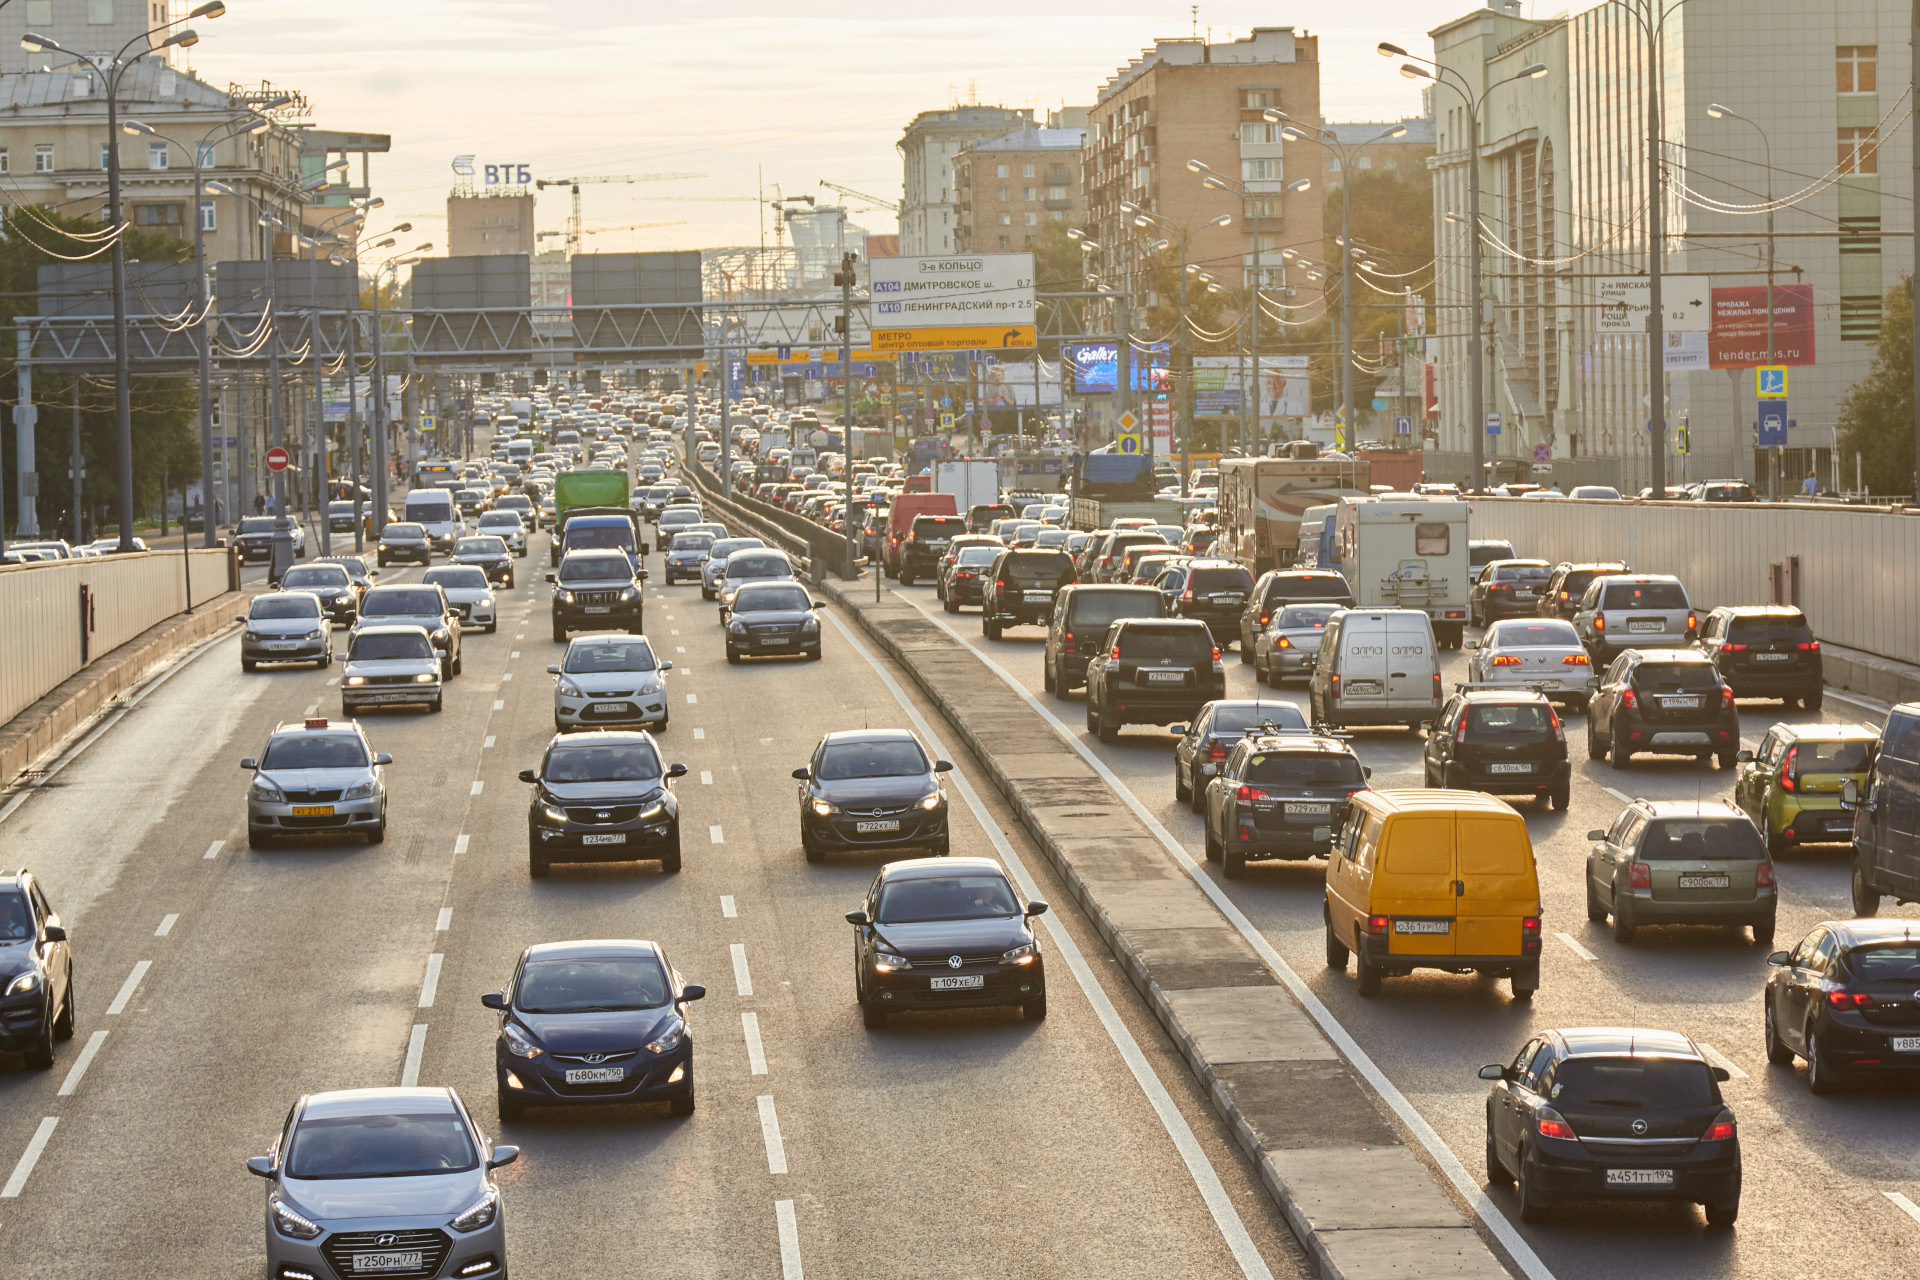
(1639, 1177)
(887, 824)
(1680, 704)
(597, 608)
(1509, 768)
(964, 982)
(1309, 810)
(1771, 657)
(1704, 882)
(364, 1262)
(312, 810)
(1422, 926)
(1166, 677)
(1905, 1044)
(1038, 597)
(283, 644)
(1364, 686)
(607, 709)
(596, 1075)
(1650, 624)
(772, 640)
(608, 837)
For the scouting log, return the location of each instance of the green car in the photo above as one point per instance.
(1790, 786)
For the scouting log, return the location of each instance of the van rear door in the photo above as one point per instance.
(1410, 664)
(1363, 660)
(1497, 886)
(1413, 884)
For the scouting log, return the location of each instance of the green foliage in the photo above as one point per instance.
(1058, 267)
(1876, 417)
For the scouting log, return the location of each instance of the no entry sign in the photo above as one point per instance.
(277, 459)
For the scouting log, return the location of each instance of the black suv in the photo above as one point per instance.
(36, 972)
(1215, 592)
(1019, 588)
(1280, 797)
(1765, 651)
(1560, 598)
(603, 796)
(596, 590)
(1152, 671)
(1081, 615)
(1281, 587)
(1665, 701)
(1503, 742)
(927, 541)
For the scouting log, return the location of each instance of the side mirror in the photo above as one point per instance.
(818, 604)
(528, 775)
(857, 918)
(548, 577)
(1593, 682)
(1849, 793)
(1036, 907)
(1178, 730)
(943, 766)
(248, 762)
(1722, 1075)
(693, 991)
(1596, 834)
(383, 757)
(54, 933)
(1493, 1071)
(260, 1166)
(1779, 958)
(1471, 644)
(642, 575)
(239, 617)
(1744, 757)
(553, 668)
(494, 1000)
(802, 774)
(676, 771)
(1366, 771)
(666, 665)
(503, 1154)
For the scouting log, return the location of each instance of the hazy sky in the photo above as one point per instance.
(795, 92)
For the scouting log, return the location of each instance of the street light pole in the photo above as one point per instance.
(1718, 112)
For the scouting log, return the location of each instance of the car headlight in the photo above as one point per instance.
(564, 597)
(519, 1044)
(825, 807)
(362, 790)
(809, 624)
(552, 812)
(28, 981)
(253, 635)
(426, 677)
(629, 593)
(933, 799)
(655, 809)
(265, 790)
(568, 689)
(737, 627)
(480, 1214)
(291, 1223)
(315, 635)
(1022, 954)
(651, 686)
(670, 1036)
(887, 962)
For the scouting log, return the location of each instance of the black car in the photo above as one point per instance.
(1560, 598)
(602, 796)
(1281, 587)
(1613, 1113)
(962, 580)
(1152, 671)
(487, 552)
(589, 1024)
(1215, 592)
(946, 933)
(1764, 651)
(1079, 621)
(357, 570)
(36, 972)
(1019, 588)
(1280, 796)
(254, 538)
(1503, 742)
(1507, 589)
(596, 590)
(927, 540)
(330, 582)
(404, 540)
(1847, 999)
(1203, 746)
(1664, 701)
(772, 618)
(872, 789)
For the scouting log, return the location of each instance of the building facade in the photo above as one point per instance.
(92, 28)
(490, 225)
(929, 212)
(1409, 151)
(1009, 186)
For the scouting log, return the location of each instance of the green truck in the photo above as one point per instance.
(587, 489)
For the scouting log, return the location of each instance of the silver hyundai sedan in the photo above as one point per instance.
(395, 1182)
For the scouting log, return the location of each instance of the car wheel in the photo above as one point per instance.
(537, 866)
(1213, 846)
(1596, 909)
(1562, 796)
(257, 838)
(383, 562)
(1035, 1010)
(1617, 753)
(682, 1106)
(326, 659)
(458, 665)
(1623, 925)
(813, 654)
(1594, 750)
(39, 1055)
(63, 1025)
(1813, 701)
(733, 656)
(1337, 951)
(942, 848)
(1246, 652)
(1763, 932)
(992, 628)
(437, 703)
(1109, 727)
(814, 852)
(559, 633)
(1497, 1175)
(379, 834)
(507, 1111)
(1722, 1215)
(248, 664)
(670, 856)
(906, 576)
(1577, 706)
(1822, 1077)
(1197, 795)
(1728, 759)
(1369, 976)
(1060, 689)
(872, 1016)
(1046, 677)
(1777, 1052)
(1866, 899)
(1524, 981)
(1533, 1205)
(948, 604)
(1233, 864)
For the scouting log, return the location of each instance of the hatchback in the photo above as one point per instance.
(1204, 745)
(1288, 646)
(607, 680)
(1765, 651)
(1680, 862)
(285, 626)
(1669, 702)
(1506, 588)
(1847, 999)
(1791, 785)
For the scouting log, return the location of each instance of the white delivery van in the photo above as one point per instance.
(1406, 553)
(1376, 666)
(434, 510)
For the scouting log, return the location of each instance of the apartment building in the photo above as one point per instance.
(1009, 186)
(490, 224)
(929, 207)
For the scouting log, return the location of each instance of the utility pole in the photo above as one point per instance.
(77, 471)
(1913, 287)
(1656, 240)
(1186, 376)
(1123, 359)
(844, 278)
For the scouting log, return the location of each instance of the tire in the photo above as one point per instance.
(1046, 676)
(439, 700)
(1777, 1052)
(1246, 654)
(1060, 689)
(942, 849)
(1814, 701)
(326, 660)
(1596, 909)
(1763, 931)
(1562, 796)
(492, 627)
(1617, 753)
(1232, 865)
(39, 1055)
(949, 605)
(670, 856)
(991, 627)
(383, 562)
(872, 1016)
(559, 633)
(1578, 706)
(1497, 1175)
(1728, 759)
(906, 576)
(507, 1111)
(1035, 1010)
(1533, 1206)
(814, 853)
(1214, 848)
(63, 1025)
(538, 867)
(458, 664)
(1722, 1215)
(257, 838)
(1594, 749)
(1866, 899)
(733, 656)
(1369, 976)
(1196, 797)
(379, 834)
(1524, 981)
(1337, 951)
(248, 664)
(1108, 728)
(1623, 926)
(1822, 1078)
(682, 1106)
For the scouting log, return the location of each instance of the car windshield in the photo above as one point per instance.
(401, 532)
(257, 524)
(1759, 631)
(1518, 721)
(1303, 616)
(604, 985)
(1874, 962)
(1695, 839)
(594, 569)
(927, 899)
(500, 520)
(383, 648)
(1238, 719)
(302, 577)
(609, 655)
(1846, 756)
(429, 510)
(1318, 586)
(455, 578)
(1631, 1084)
(305, 750)
(603, 762)
(293, 605)
(758, 567)
(400, 603)
(1480, 553)
(772, 600)
(724, 547)
(692, 542)
(409, 1145)
(901, 758)
(1520, 635)
(1645, 595)
(616, 535)
(14, 920)
(1188, 644)
(1303, 770)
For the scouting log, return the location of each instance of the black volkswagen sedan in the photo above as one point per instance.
(1847, 999)
(946, 933)
(872, 789)
(602, 797)
(587, 1024)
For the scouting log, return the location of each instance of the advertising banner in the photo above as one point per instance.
(1738, 339)
(1096, 366)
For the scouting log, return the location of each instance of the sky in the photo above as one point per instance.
(761, 98)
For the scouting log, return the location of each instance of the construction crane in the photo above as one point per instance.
(594, 231)
(573, 219)
(876, 201)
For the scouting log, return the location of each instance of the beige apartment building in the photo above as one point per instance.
(929, 204)
(1009, 186)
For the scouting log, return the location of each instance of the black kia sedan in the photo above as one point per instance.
(872, 789)
(946, 933)
(1847, 999)
(602, 797)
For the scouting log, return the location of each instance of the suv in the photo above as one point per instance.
(596, 590)
(603, 796)
(1280, 587)
(983, 514)
(1507, 589)
(1215, 592)
(1680, 862)
(1280, 797)
(317, 776)
(1019, 588)
(1765, 651)
(1503, 743)
(1639, 611)
(1665, 702)
(926, 540)
(1112, 556)
(1790, 785)
(1081, 615)
(1152, 671)
(36, 972)
(1560, 598)
(1886, 824)
(423, 605)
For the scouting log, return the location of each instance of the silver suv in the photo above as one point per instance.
(317, 775)
(422, 605)
(1634, 611)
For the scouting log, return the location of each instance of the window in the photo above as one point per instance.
(207, 221)
(1364, 162)
(104, 153)
(158, 155)
(1259, 99)
(5, 165)
(1005, 193)
(204, 156)
(1860, 315)
(100, 13)
(1032, 193)
(1056, 193)
(39, 14)
(1026, 171)
(1006, 219)
(1006, 242)
(1392, 163)
(1033, 219)
(43, 157)
(1001, 171)
(157, 215)
(1858, 152)
(1259, 170)
(1857, 68)
(1261, 133)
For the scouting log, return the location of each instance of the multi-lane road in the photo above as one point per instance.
(217, 984)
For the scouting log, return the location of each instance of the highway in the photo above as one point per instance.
(1829, 1183)
(217, 984)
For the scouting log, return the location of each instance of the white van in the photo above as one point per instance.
(434, 509)
(1376, 666)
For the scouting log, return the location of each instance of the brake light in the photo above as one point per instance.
(1565, 596)
(1067, 635)
(1186, 597)
(1216, 653)
(1786, 771)
(1506, 660)
(1628, 701)
(962, 573)
(1376, 925)
(1499, 586)
(1811, 647)
(1530, 934)
(1575, 660)
(1460, 734)
(1436, 686)
(1336, 686)
(1244, 792)
(1216, 752)
(1263, 619)
(1116, 653)
(1639, 876)
(1721, 1130)
(1763, 875)
(1281, 642)
(1599, 622)
(1550, 1125)
(1559, 730)
(1849, 1000)
(1726, 699)
(1692, 622)
(1733, 648)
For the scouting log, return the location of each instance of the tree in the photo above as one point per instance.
(1058, 267)
(1876, 417)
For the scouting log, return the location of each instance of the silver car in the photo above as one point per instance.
(423, 605)
(390, 666)
(1634, 611)
(609, 680)
(470, 594)
(715, 567)
(1288, 646)
(317, 775)
(1542, 654)
(506, 525)
(285, 626)
(394, 1182)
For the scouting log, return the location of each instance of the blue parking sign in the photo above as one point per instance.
(1773, 424)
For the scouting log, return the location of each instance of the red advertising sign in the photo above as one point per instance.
(1739, 336)
(277, 459)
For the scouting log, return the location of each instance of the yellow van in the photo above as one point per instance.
(1434, 879)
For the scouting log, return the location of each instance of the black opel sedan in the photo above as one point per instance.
(588, 1024)
(1847, 999)
(602, 797)
(946, 933)
(872, 789)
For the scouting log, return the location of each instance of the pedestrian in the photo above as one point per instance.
(259, 504)
(1811, 485)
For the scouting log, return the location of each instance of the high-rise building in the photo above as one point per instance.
(929, 213)
(1009, 186)
(490, 225)
(92, 28)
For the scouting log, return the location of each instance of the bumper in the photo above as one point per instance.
(1568, 682)
(1815, 825)
(1002, 984)
(962, 591)
(1753, 682)
(688, 571)
(543, 1082)
(283, 650)
(1292, 841)
(1650, 910)
(21, 1020)
(352, 700)
(349, 815)
(916, 827)
(419, 555)
(1494, 608)
(1708, 1174)
(770, 646)
(612, 842)
(1378, 951)
(1682, 739)
(1540, 777)
(1347, 711)
(596, 713)
(1130, 707)
(1014, 610)
(583, 618)
(287, 1257)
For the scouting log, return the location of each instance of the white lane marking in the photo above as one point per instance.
(693, 697)
(789, 1241)
(514, 654)
(679, 648)
(1900, 1202)
(213, 850)
(676, 631)
(726, 906)
(669, 617)
(699, 734)
(430, 985)
(445, 921)
(1621, 796)
(684, 671)
(460, 844)
(499, 704)
(1468, 1187)
(128, 987)
(416, 1047)
(166, 924)
(331, 683)
(1720, 1059)
(38, 1143)
(749, 1027)
(706, 777)
(1573, 945)
(714, 836)
(310, 710)
(489, 742)
(81, 1063)
(1205, 1178)
(507, 676)
(770, 1134)
(742, 980)
(478, 787)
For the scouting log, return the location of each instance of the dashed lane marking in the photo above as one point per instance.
(478, 787)
(514, 654)
(741, 978)
(499, 704)
(699, 734)
(445, 921)
(1621, 796)
(693, 697)
(1573, 945)
(789, 1240)
(488, 743)
(460, 844)
(1720, 1059)
(81, 1063)
(166, 924)
(750, 1028)
(128, 987)
(727, 908)
(31, 1156)
(416, 1047)
(770, 1134)
(706, 777)
(507, 676)
(714, 836)
(213, 850)
(430, 985)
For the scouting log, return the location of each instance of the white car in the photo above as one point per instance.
(507, 525)
(609, 679)
(469, 592)
(1542, 654)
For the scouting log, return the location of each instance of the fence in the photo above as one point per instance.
(56, 617)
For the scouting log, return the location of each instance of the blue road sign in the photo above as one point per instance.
(1493, 422)
(783, 353)
(1773, 424)
(1403, 426)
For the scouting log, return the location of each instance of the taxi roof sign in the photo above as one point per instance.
(316, 722)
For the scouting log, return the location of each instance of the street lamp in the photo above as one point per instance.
(1718, 112)
(1184, 355)
(381, 426)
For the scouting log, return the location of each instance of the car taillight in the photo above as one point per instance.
(1628, 701)
(1116, 653)
(1498, 586)
(1575, 660)
(1565, 595)
(1506, 660)
(1530, 933)
(1437, 687)
(1281, 642)
(1066, 635)
(1559, 730)
(1763, 875)
(1335, 692)
(1849, 1000)
(1186, 597)
(1733, 648)
(1216, 653)
(1599, 622)
(1692, 622)
(1263, 619)
(1217, 751)
(1811, 647)
(1721, 1130)
(1460, 734)
(1726, 699)
(1376, 925)
(1786, 771)
(1551, 1125)
(962, 573)
(1639, 876)
(1244, 792)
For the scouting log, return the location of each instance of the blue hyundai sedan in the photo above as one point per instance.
(594, 1023)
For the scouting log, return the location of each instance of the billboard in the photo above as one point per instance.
(1217, 386)
(951, 303)
(1738, 339)
(1096, 366)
